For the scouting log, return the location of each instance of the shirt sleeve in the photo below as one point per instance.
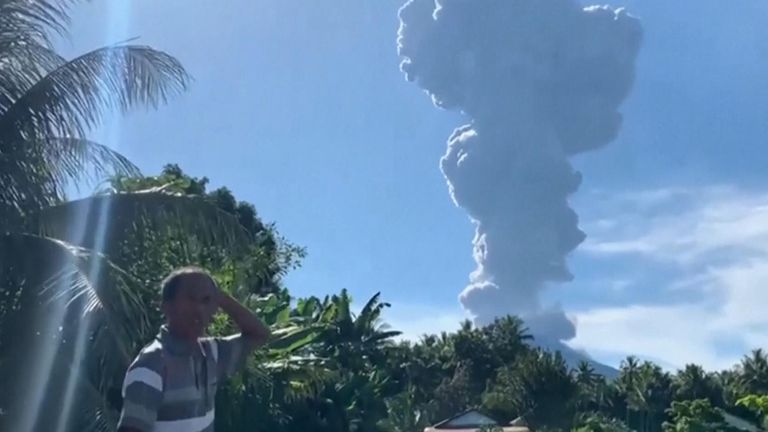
(142, 395)
(233, 352)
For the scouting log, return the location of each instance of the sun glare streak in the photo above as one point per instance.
(84, 324)
(42, 358)
(117, 23)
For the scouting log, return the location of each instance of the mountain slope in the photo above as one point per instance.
(573, 357)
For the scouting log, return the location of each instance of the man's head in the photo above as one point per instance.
(189, 301)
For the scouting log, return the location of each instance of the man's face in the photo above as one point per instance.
(190, 312)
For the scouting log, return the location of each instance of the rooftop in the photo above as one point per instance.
(472, 420)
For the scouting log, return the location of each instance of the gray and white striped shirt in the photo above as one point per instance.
(171, 385)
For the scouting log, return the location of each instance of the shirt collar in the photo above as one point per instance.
(176, 345)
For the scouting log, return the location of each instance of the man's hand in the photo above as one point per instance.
(250, 326)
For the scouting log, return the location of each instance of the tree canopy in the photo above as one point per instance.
(79, 286)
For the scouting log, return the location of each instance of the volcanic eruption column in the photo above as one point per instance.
(541, 80)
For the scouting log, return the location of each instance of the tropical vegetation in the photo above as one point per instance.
(79, 278)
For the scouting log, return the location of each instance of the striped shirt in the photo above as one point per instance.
(171, 385)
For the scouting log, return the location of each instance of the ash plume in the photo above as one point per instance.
(541, 81)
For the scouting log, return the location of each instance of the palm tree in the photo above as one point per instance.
(629, 371)
(590, 386)
(651, 395)
(61, 299)
(538, 387)
(280, 375)
(354, 338)
(693, 382)
(647, 391)
(689, 382)
(753, 376)
(585, 374)
(356, 346)
(508, 337)
(405, 414)
(728, 383)
(48, 103)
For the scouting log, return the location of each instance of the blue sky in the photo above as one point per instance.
(299, 107)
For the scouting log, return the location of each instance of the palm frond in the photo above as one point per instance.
(73, 157)
(72, 99)
(291, 339)
(50, 164)
(63, 271)
(370, 315)
(193, 216)
(96, 302)
(370, 305)
(23, 62)
(36, 18)
(302, 377)
(383, 336)
(23, 188)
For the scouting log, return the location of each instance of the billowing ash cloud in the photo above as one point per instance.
(541, 80)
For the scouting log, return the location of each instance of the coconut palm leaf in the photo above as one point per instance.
(369, 321)
(47, 105)
(381, 336)
(95, 302)
(72, 98)
(37, 18)
(158, 210)
(61, 273)
(370, 313)
(25, 62)
(48, 165)
(72, 157)
(291, 339)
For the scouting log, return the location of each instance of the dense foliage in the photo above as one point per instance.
(78, 284)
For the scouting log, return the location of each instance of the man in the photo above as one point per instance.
(171, 385)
